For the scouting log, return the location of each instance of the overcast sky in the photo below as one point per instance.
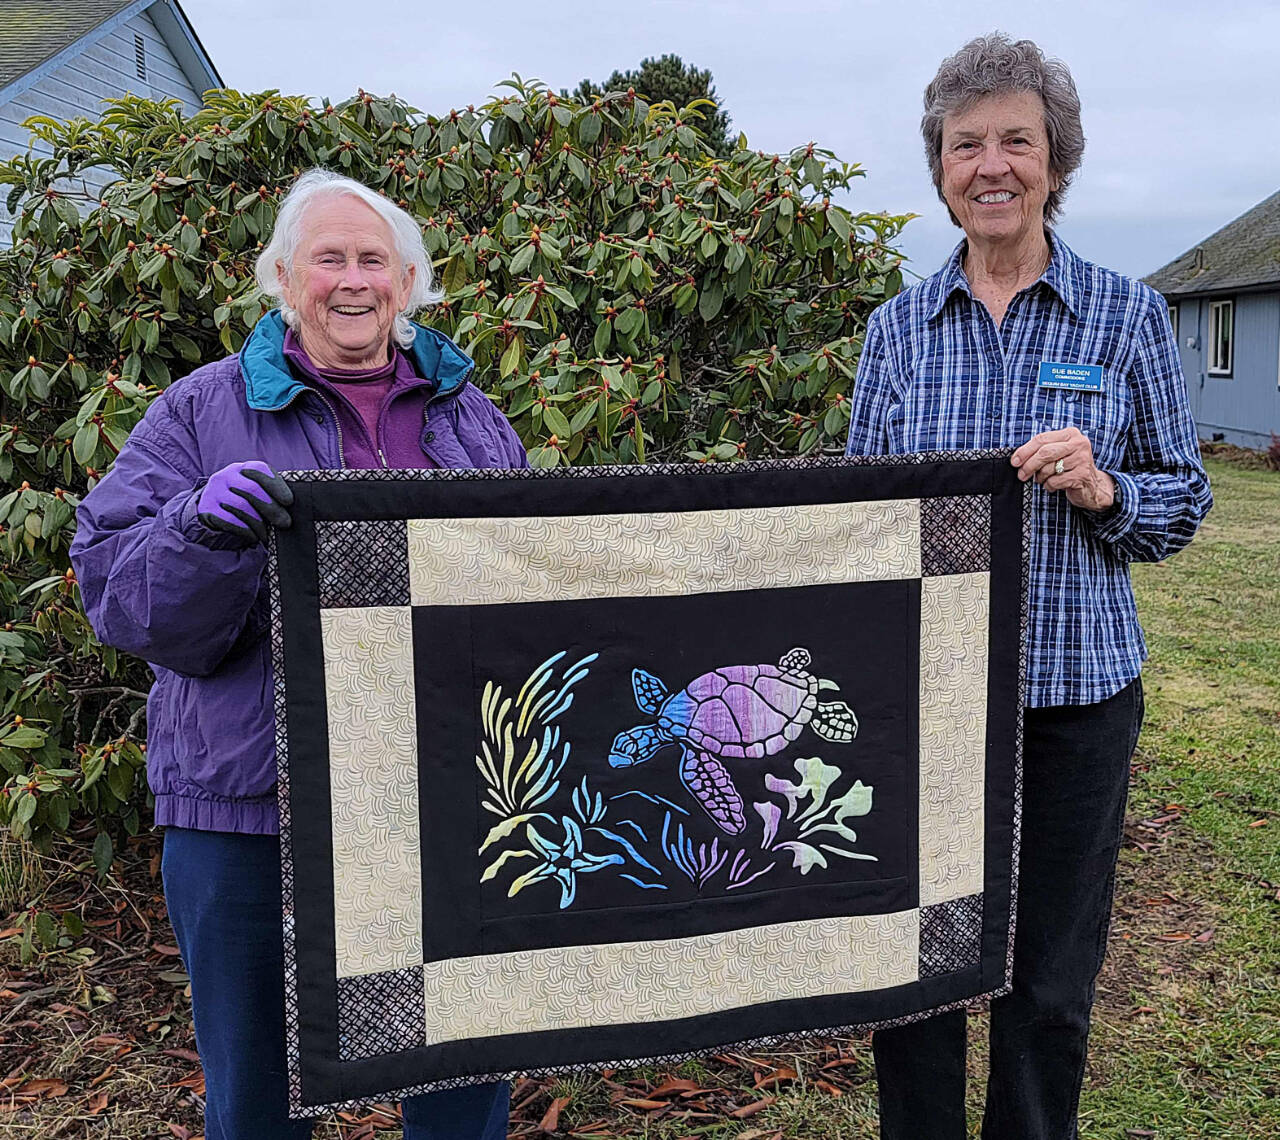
(1181, 100)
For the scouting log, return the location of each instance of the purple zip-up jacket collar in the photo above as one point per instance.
(190, 601)
(396, 442)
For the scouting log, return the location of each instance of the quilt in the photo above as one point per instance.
(600, 766)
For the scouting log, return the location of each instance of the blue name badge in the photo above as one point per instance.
(1077, 377)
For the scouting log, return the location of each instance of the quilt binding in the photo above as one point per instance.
(299, 1110)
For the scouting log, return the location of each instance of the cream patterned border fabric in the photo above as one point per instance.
(373, 756)
(484, 561)
(954, 620)
(537, 990)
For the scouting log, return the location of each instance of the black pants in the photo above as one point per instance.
(1075, 782)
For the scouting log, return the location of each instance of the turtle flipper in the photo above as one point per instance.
(835, 721)
(710, 784)
(795, 660)
(650, 692)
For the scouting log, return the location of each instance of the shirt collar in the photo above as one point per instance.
(1060, 275)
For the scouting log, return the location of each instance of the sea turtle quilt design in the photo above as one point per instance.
(604, 765)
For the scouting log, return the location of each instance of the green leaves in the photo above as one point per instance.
(710, 301)
(627, 283)
(837, 220)
(589, 127)
(23, 736)
(103, 853)
(522, 260)
(85, 443)
(454, 277)
(554, 421)
(511, 358)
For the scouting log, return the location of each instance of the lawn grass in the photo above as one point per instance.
(1186, 1039)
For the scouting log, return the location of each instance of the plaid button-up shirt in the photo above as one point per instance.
(938, 374)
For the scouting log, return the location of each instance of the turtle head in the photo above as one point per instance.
(636, 745)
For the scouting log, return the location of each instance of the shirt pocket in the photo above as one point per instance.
(1102, 417)
(1055, 409)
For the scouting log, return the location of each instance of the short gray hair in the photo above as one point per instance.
(316, 185)
(994, 65)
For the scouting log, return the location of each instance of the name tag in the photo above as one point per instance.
(1077, 377)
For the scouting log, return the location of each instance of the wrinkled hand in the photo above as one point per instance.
(244, 499)
(1085, 486)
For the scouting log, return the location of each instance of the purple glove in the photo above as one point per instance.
(244, 499)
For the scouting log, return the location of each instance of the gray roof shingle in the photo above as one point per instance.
(32, 31)
(1243, 254)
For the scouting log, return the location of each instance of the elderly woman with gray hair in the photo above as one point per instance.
(1018, 342)
(170, 553)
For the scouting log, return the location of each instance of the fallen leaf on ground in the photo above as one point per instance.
(42, 1089)
(777, 1075)
(752, 1108)
(551, 1118)
(97, 1103)
(683, 1087)
(194, 1082)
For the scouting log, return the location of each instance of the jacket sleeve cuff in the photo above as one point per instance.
(187, 517)
(1118, 519)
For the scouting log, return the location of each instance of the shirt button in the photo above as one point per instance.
(429, 437)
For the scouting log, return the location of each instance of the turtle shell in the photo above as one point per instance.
(742, 711)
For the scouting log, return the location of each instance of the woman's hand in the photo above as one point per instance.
(244, 499)
(1063, 461)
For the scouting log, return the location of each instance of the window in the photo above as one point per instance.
(1220, 337)
(1173, 321)
(140, 55)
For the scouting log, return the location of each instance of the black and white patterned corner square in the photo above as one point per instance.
(950, 936)
(362, 563)
(955, 535)
(381, 1013)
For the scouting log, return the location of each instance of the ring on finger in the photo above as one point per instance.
(1059, 467)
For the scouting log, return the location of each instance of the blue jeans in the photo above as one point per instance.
(1075, 782)
(223, 893)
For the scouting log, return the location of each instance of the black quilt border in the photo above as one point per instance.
(334, 1094)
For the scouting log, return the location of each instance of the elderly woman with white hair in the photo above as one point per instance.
(170, 553)
(1018, 342)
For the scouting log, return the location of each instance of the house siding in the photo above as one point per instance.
(105, 69)
(1243, 408)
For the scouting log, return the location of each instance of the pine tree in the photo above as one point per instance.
(669, 78)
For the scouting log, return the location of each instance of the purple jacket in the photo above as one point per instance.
(190, 601)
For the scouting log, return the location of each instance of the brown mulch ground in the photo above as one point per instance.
(1265, 459)
(101, 1044)
(87, 1038)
